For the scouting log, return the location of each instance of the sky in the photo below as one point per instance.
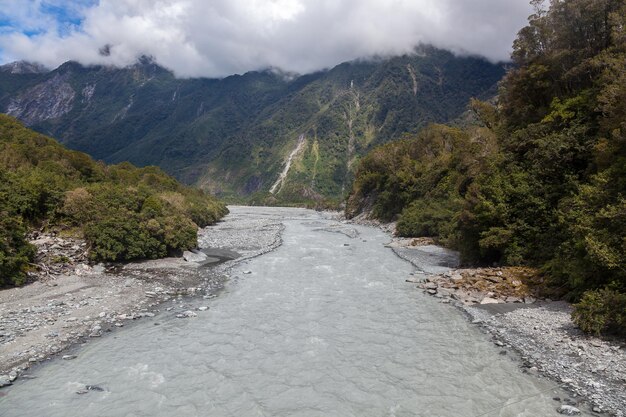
(216, 38)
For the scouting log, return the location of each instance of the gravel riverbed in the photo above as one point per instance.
(72, 303)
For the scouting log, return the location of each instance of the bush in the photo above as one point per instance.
(435, 218)
(15, 252)
(121, 236)
(601, 311)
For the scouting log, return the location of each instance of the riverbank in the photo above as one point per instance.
(69, 305)
(504, 303)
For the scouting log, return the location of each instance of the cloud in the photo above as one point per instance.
(222, 37)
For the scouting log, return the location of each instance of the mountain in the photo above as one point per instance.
(265, 136)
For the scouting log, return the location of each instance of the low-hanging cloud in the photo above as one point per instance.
(222, 37)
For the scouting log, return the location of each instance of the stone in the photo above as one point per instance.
(96, 331)
(568, 410)
(68, 357)
(194, 256)
(203, 308)
(186, 314)
(529, 300)
(247, 272)
(5, 380)
(99, 269)
(489, 300)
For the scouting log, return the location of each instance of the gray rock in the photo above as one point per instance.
(186, 314)
(194, 257)
(203, 308)
(489, 300)
(429, 286)
(5, 380)
(68, 357)
(568, 410)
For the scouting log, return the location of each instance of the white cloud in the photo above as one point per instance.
(221, 37)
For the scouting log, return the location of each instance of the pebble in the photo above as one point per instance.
(186, 314)
(568, 410)
(203, 308)
(69, 357)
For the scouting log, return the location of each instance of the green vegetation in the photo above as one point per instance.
(123, 212)
(231, 136)
(542, 180)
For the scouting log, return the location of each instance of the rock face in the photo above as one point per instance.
(23, 67)
(49, 100)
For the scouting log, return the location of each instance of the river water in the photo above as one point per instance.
(323, 326)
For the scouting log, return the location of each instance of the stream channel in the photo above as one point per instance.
(325, 325)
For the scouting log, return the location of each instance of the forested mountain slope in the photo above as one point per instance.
(233, 136)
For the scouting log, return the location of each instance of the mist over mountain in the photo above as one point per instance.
(196, 38)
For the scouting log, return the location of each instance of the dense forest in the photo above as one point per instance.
(122, 211)
(541, 179)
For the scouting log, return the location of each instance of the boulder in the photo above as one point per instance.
(5, 380)
(194, 256)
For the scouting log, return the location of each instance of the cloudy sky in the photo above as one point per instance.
(221, 37)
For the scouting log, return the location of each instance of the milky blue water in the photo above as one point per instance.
(323, 326)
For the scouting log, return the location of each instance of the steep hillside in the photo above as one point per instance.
(123, 212)
(234, 136)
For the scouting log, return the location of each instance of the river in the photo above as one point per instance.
(325, 325)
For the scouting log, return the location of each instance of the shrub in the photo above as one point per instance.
(121, 237)
(15, 252)
(601, 311)
(434, 218)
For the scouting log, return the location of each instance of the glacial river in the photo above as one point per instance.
(325, 325)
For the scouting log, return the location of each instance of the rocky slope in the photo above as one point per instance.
(234, 136)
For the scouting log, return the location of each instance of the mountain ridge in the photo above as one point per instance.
(233, 135)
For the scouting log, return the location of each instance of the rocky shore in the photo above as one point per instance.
(504, 302)
(69, 302)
